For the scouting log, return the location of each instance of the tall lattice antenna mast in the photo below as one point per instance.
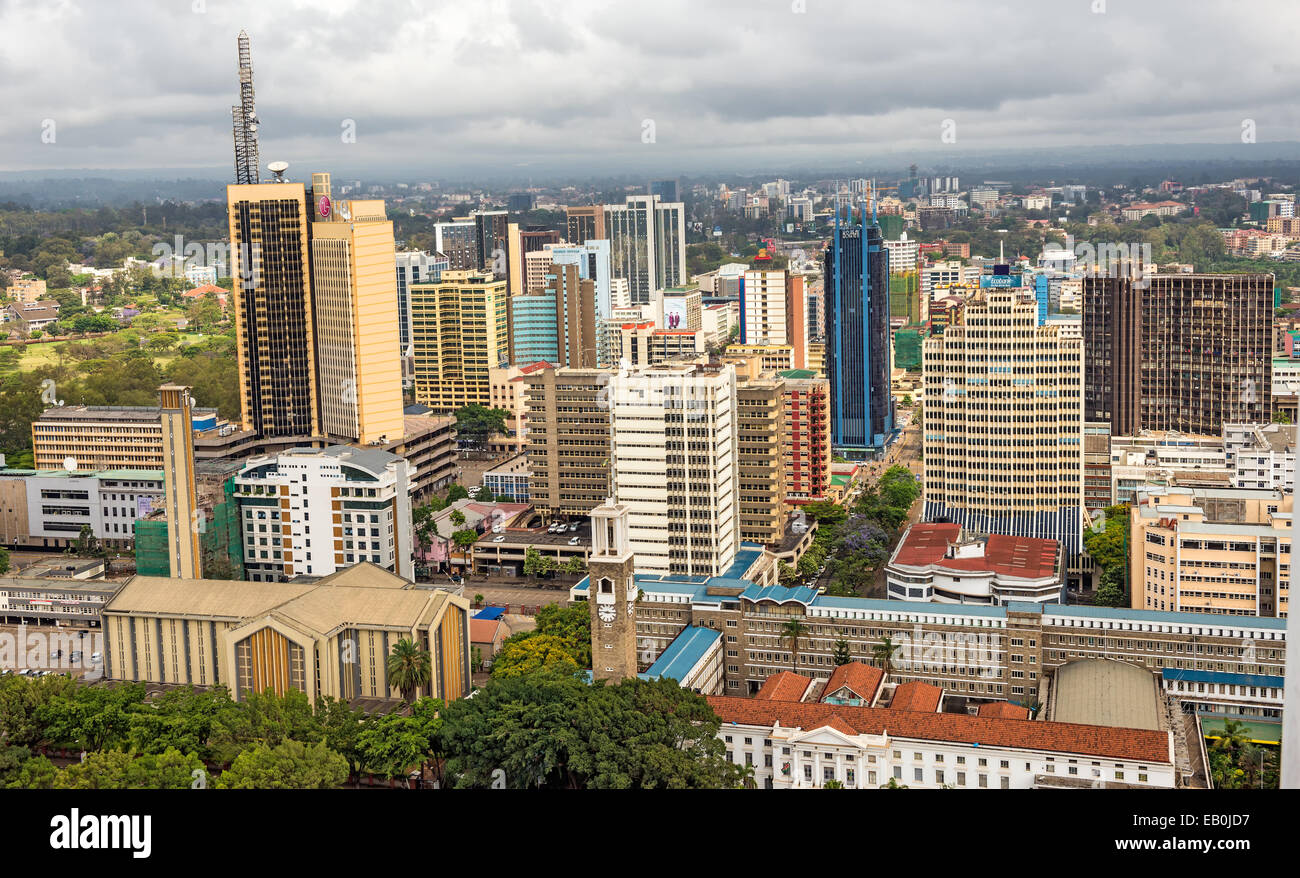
(245, 119)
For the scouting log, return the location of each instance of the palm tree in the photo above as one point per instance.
(409, 667)
(893, 785)
(1233, 738)
(883, 652)
(793, 630)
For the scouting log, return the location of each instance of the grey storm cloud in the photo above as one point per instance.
(488, 83)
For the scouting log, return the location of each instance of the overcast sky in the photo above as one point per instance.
(445, 88)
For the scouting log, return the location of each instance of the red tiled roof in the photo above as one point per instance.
(917, 696)
(861, 678)
(926, 543)
(483, 630)
(199, 292)
(785, 686)
(1005, 710)
(1026, 557)
(1135, 745)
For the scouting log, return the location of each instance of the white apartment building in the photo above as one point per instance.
(1003, 437)
(903, 254)
(361, 502)
(673, 463)
(947, 274)
(763, 317)
(799, 745)
(1261, 455)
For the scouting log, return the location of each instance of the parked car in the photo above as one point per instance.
(575, 541)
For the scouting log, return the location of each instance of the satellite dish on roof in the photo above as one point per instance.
(278, 168)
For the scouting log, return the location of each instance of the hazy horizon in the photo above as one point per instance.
(512, 89)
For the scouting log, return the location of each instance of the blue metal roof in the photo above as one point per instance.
(745, 558)
(1190, 676)
(490, 613)
(781, 594)
(683, 654)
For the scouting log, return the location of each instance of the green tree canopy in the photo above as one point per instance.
(476, 424)
(289, 765)
(556, 731)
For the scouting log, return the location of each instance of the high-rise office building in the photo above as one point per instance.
(492, 241)
(585, 223)
(774, 309)
(455, 240)
(665, 190)
(647, 244)
(414, 267)
(357, 331)
(806, 451)
(760, 442)
(536, 237)
(857, 338)
(1186, 352)
(556, 324)
(459, 331)
(1004, 422)
(271, 274)
(183, 513)
(673, 451)
(568, 439)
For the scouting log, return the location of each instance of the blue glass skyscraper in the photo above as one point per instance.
(857, 337)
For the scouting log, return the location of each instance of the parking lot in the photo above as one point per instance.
(44, 649)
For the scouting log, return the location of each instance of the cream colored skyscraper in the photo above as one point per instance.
(184, 518)
(271, 274)
(358, 356)
(1003, 428)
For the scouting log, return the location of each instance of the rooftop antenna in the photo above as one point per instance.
(244, 119)
(278, 168)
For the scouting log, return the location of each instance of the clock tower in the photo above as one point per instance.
(612, 594)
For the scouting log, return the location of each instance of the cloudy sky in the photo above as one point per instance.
(449, 87)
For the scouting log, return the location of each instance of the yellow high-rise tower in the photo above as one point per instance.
(354, 286)
(185, 519)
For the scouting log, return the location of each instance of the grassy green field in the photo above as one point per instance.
(34, 356)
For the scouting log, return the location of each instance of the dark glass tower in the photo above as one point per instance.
(857, 337)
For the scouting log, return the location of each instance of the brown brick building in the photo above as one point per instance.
(1187, 352)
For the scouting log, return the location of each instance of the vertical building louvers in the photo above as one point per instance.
(857, 338)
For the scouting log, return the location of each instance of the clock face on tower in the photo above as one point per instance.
(607, 612)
